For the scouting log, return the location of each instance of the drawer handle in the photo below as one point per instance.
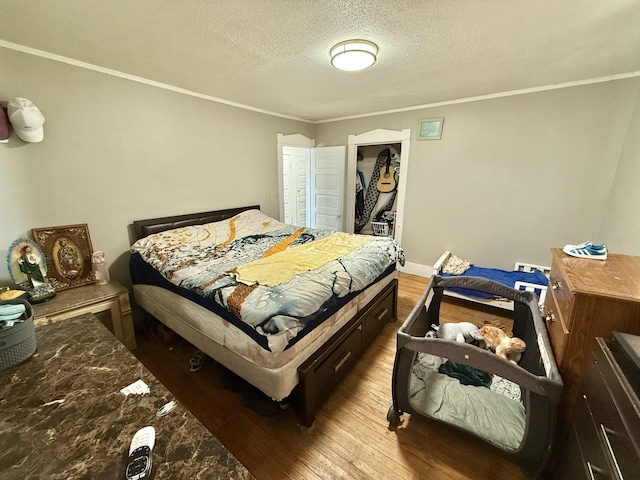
(556, 285)
(381, 315)
(550, 317)
(605, 433)
(344, 358)
(593, 470)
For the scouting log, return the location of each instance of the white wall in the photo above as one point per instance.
(116, 151)
(621, 224)
(512, 177)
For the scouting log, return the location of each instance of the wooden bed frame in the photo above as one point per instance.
(329, 364)
(506, 304)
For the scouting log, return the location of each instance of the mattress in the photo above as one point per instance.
(489, 413)
(506, 277)
(275, 374)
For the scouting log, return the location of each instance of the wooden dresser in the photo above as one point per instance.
(588, 299)
(604, 437)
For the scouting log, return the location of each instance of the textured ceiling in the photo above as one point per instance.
(274, 54)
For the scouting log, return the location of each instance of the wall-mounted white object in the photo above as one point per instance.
(27, 119)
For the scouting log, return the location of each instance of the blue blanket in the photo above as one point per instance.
(506, 277)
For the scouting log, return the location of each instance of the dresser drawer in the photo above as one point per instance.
(558, 332)
(381, 313)
(606, 413)
(594, 460)
(562, 293)
(573, 465)
(615, 413)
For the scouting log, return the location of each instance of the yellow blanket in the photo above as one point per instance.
(280, 267)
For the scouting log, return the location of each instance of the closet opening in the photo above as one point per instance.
(375, 194)
(377, 174)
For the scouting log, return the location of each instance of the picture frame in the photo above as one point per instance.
(430, 128)
(67, 250)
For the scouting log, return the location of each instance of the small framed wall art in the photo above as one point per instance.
(430, 129)
(67, 250)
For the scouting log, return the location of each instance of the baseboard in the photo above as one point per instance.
(416, 269)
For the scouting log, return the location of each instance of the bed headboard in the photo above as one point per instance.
(142, 228)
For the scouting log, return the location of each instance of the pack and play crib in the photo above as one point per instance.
(509, 405)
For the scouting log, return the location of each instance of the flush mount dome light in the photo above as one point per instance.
(353, 55)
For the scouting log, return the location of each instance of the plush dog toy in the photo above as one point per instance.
(509, 348)
(465, 332)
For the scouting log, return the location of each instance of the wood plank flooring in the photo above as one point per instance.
(350, 438)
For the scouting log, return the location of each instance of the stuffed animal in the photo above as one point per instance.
(509, 348)
(464, 332)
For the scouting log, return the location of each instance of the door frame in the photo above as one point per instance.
(377, 137)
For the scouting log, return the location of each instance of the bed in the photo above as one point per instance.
(524, 277)
(217, 279)
(512, 409)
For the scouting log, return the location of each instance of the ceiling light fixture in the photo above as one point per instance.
(353, 55)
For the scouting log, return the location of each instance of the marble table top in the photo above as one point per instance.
(63, 416)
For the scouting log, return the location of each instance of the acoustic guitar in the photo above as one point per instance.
(387, 181)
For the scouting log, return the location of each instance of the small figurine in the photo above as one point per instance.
(28, 269)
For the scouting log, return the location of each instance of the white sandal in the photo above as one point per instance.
(197, 360)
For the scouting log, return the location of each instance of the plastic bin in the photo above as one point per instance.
(380, 229)
(17, 343)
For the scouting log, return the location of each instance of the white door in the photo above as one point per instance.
(321, 194)
(327, 187)
(293, 195)
(295, 173)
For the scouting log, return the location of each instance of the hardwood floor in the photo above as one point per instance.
(350, 438)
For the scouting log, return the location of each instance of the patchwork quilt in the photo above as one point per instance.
(272, 276)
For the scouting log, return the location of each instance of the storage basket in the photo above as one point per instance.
(380, 229)
(17, 343)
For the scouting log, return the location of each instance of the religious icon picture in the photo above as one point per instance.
(28, 268)
(67, 250)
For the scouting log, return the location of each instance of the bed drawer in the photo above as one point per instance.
(330, 363)
(558, 331)
(335, 367)
(378, 315)
(321, 373)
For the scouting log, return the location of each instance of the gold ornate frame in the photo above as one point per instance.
(67, 250)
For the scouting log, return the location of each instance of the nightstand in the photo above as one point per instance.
(110, 303)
